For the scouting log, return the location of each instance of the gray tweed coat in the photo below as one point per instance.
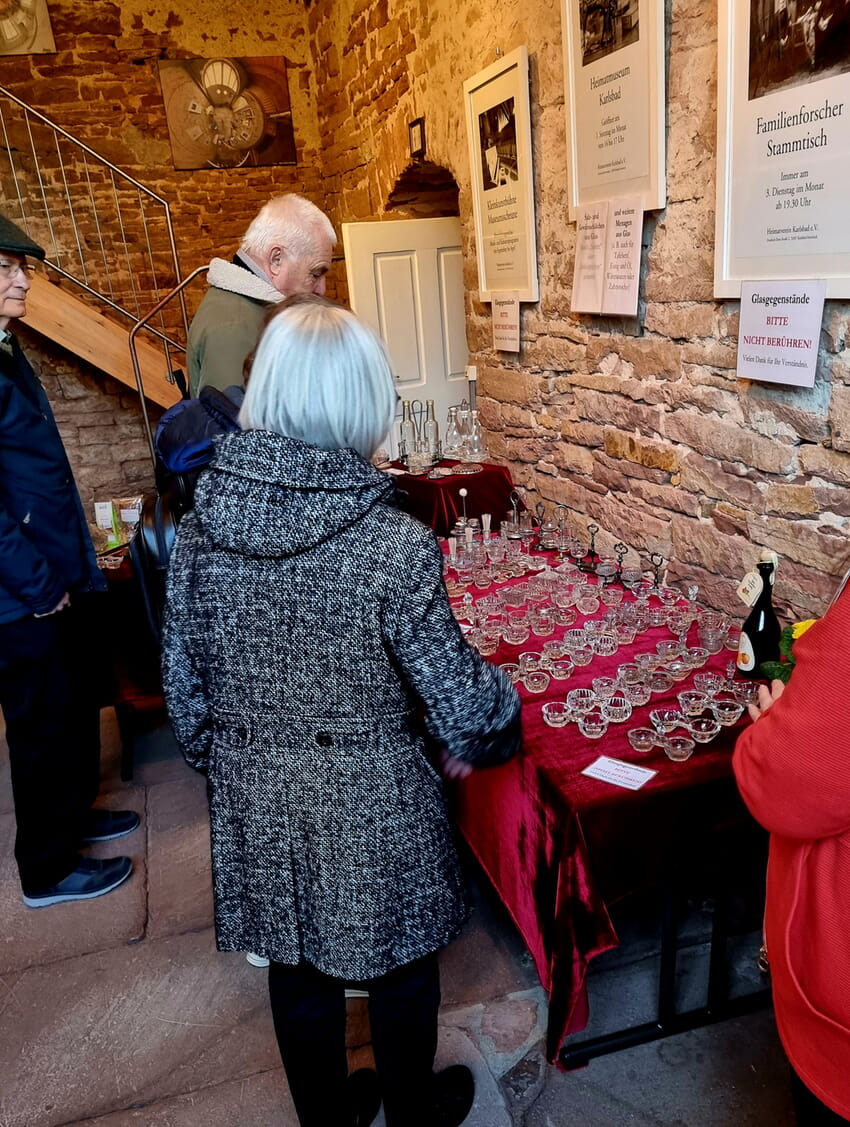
(308, 634)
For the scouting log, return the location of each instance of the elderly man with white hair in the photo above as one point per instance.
(285, 251)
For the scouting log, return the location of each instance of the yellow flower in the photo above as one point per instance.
(800, 628)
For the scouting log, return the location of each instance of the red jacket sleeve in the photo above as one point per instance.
(793, 763)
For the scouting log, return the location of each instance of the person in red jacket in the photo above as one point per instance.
(793, 771)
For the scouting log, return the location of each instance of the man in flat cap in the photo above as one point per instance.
(49, 690)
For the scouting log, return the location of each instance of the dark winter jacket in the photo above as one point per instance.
(45, 546)
(308, 632)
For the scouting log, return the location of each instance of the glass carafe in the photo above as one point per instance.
(453, 442)
(475, 448)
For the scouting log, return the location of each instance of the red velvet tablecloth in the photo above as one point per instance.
(437, 502)
(561, 848)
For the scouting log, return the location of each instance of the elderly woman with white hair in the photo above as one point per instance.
(314, 671)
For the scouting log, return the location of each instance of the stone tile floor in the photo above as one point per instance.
(120, 1011)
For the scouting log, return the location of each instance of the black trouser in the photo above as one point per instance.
(810, 1111)
(50, 693)
(308, 1008)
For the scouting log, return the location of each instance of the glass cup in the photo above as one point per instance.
(564, 616)
(587, 604)
(604, 687)
(556, 713)
(697, 656)
(515, 628)
(562, 669)
(593, 725)
(611, 596)
(709, 682)
(487, 641)
(582, 655)
(617, 709)
(732, 639)
(626, 633)
(678, 669)
(712, 640)
(536, 681)
(573, 638)
(581, 700)
(542, 621)
(704, 728)
(648, 662)
(660, 682)
(643, 739)
(678, 748)
(638, 693)
(605, 644)
(668, 649)
(553, 649)
(727, 709)
(512, 670)
(693, 703)
(529, 661)
(745, 692)
(665, 720)
(629, 673)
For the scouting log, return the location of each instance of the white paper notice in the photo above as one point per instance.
(505, 314)
(589, 273)
(619, 773)
(622, 256)
(779, 331)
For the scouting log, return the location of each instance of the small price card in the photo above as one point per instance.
(619, 773)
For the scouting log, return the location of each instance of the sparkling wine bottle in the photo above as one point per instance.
(760, 631)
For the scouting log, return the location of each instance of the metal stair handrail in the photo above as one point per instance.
(57, 187)
(142, 323)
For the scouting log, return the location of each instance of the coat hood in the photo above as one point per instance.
(269, 496)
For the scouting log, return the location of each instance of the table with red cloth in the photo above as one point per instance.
(437, 501)
(561, 848)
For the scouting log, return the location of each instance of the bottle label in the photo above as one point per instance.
(750, 588)
(746, 660)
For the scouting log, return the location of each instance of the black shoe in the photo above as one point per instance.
(454, 1094)
(91, 878)
(364, 1095)
(104, 825)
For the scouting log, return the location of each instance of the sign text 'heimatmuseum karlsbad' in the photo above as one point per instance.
(779, 331)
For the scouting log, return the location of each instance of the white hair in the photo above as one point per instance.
(288, 221)
(320, 375)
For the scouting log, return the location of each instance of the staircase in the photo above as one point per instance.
(59, 191)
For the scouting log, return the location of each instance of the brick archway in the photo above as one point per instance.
(424, 191)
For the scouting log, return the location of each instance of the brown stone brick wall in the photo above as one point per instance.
(102, 86)
(639, 425)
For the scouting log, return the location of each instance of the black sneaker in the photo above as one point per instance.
(105, 825)
(454, 1095)
(91, 878)
(364, 1095)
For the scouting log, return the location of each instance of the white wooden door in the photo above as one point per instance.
(405, 278)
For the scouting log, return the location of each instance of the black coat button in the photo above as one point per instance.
(324, 739)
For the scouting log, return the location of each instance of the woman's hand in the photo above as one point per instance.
(767, 697)
(454, 768)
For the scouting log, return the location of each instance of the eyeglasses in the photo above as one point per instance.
(9, 269)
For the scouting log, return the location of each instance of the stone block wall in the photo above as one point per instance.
(102, 86)
(639, 425)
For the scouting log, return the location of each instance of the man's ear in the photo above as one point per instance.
(275, 261)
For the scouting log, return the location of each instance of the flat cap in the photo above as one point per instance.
(14, 241)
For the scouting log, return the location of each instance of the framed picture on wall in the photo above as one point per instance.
(498, 126)
(614, 96)
(783, 163)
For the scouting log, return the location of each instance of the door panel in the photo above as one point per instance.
(405, 278)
